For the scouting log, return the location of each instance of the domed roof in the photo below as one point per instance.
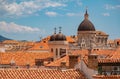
(53, 37)
(58, 37)
(86, 25)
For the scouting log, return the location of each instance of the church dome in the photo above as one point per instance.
(86, 24)
(58, 37)
(53, 37)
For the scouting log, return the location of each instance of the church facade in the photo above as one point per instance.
(88, 36)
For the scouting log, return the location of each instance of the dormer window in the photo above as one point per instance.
(41, 46)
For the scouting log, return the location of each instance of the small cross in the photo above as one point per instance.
(55, 30)
(60, 29)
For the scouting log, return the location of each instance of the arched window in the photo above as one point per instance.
(106, 40)
(98, 40)
(51, 49)
(102, 39)
(117, 43)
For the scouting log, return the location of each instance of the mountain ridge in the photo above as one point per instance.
(2, 38)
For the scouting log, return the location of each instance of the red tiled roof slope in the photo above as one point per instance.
(106, 77)
(58, 62)
(70, 39)
(40, 74)
(40, 46)
(23, 58)
(116, 54)
(109, 60)
(113, 57)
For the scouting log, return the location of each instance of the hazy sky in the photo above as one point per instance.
(31, 19)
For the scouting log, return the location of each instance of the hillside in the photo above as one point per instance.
(2, 38)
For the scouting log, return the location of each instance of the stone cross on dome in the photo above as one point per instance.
(55, 30)
(86, 14)
(60, 29)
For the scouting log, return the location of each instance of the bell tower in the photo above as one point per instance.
(58, 44)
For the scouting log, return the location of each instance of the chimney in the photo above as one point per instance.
(73, 60)
(63, 65)
(93, 61)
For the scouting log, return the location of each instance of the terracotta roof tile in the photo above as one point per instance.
(118, 40)
(70, 39)
(111, 56)
(40, 46)
(22, 58)
(58, 61)
(103, 52)
(109, 60)
(100, 33)
(116, 54)
(40, 74)
(79, 52)
(106, 77)
(9, 41)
